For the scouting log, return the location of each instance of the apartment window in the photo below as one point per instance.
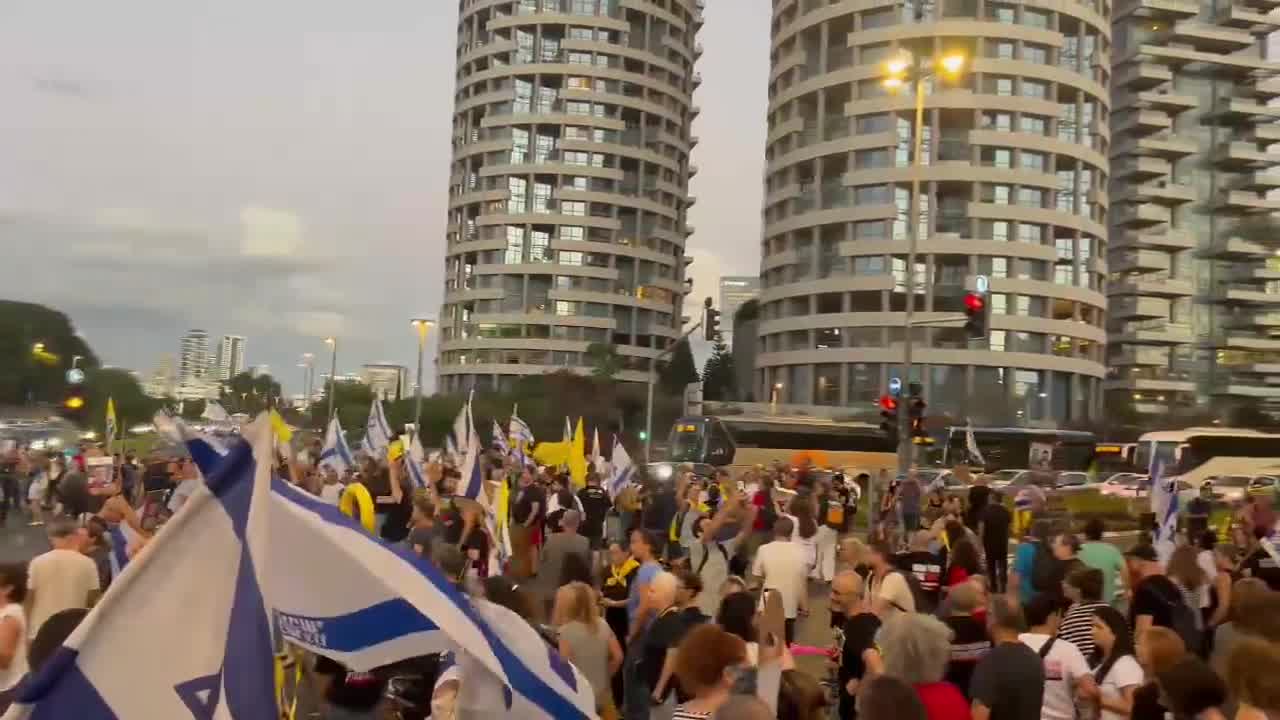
(1038, 54)
(997, 339)
(1034, 88)
(546, 144)
(577, 107)
(999, 303)
(1002, 49)
(518, 189)
(574, 82)
(519, 146)
(569, 257)
(1035, 18)
(1031, 197)
(547, 99)
(573, 207)
(868, 124)
(540, 246)
(999, 267)
(996, 85)
(869, 265)
(541, 197)
(515, 246)
(879, 18)
(999, 121)
(1034, 124)
(876, 158)
(998, 194)
(572, 233)
(1002, 13)
(871, 230)
(581, 58)
(1032, 161)
(1031, 233)
(524, 96)
(997, 230)
(1062, 274)
(872, 195)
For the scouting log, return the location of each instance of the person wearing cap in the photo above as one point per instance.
(1155, 596)
(1198, 510)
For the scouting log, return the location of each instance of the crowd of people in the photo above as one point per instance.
(680, 597)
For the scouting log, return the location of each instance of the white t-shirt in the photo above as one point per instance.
(61, 580)
(18, 666)
(1205, 560)
(1063, 668)
(181, 493)
(782, 565)
(331, 494)
(895, 589)
(1125, 673)
(809, 545)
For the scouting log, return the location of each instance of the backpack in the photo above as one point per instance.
(706, 555)
(918, 595)
(1183, 620)
(1044, 567)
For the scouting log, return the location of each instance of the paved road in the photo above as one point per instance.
(18, 542)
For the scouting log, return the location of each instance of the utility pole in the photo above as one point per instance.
(333, 375)
(653, 375)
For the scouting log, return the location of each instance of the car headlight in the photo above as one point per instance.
(664, 472)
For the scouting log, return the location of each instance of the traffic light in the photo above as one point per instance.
(710, 322)
(976, 315)
(74, 404)
(644, 435)
(889, 418)
(916, 417)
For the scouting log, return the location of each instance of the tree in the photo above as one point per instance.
(719, 381)
(28, 376)
(747, 311)
(352, 401)
(605, 361)
(677, 373)
(248, 393)
(132, 405)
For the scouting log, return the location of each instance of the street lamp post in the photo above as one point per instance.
(309, 362)
(896, 72)
(653, 377)
(422, 325)
(333, 374)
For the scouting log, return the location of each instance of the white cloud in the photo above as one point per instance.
(269, 231)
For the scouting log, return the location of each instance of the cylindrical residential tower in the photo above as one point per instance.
(569, 193)
(1012, 186)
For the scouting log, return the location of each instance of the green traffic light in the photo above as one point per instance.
(644, 435)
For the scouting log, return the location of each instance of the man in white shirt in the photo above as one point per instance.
(186, 481)
(782, 565)
(888, 589)
(1065, 668)
(62, 578)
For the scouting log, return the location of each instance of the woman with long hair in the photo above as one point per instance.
(1159, 649)
(963, 563)
(1184, 570)
(1115, 669)
(1225, 557)
(586, 640)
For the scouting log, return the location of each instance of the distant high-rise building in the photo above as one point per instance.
(734, 291)
(387, 381)
(193, 360)
(163, 380)
(230, 357)
(569, 190)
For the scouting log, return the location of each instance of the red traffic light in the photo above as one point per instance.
(888, 402)
(974, 302)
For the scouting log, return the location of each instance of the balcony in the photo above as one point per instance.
(1234, 249)
(1234, 341)
(1258, 181)
(1233, 297)
(1209, 38)
(1237, 388)
(1140, 215)
(1156, 8)
(1164, 145)
(1237, 16)
(1141, 168)
(1134, 307)
(1242, 111)
(1135, 76)
(1254, 320)
(1166, 101)
(1153, 380)
(1263, 5)
(1154, 285)
(1254, 368)
(1252, 274)
(1138, 261)
(1244, 156)
(1141, 122)
(1168, 239)
(1139, 356)
(1161, 192)
(1154, 332)
(1243, 202)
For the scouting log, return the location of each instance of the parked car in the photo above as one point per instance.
(1005, 478)
(1072, 481)
(1126, 485)
(1227, 489)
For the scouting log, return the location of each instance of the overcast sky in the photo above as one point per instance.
(279, 169)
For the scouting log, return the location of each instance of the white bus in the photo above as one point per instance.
(1196, 454)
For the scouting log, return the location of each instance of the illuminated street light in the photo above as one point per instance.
(952, 64)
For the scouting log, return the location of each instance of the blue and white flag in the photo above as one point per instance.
(451, 451)
(414, 459)
(971, 444)
(125, 541)
(377, 433)
(623, 470)
(500, 439)
(176, 431)
(522, 437)
(464, 430)
(271, 553)
(1164, 505)
(336, 455)
(471, 484)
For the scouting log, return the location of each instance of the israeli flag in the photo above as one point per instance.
(214, 412)
(522, 435)
(971, 444)
(377, 433)
(451, 451)
(464, 429)
(176, 431)
(124, 542)
(623, 470)
(500, 439)
(472, 482)
(415, 458)
(336, 454)
(270, 553)
(1164, 505)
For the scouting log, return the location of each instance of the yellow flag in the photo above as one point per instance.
(111, 426)
(283, 434)
(549, 453)
(578, 457)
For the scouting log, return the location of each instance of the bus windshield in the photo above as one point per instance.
(688, 441)
(1166, 454)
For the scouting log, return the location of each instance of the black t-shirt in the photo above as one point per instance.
(595, 505)
(1146, 703)
(1155, 596)
(996, 519)
(73, 489)
(926, 566)
(396, 525)
(857, 636)
(157, 477)
(449, 520)
(969, 645)
(1009, 681)
(425, 537)
(661, 510)
(1261, 565)
(350, 690)
(525, 499)
(664, 633)
(979, 496)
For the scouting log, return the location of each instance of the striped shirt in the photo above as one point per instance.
(1077, 626)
